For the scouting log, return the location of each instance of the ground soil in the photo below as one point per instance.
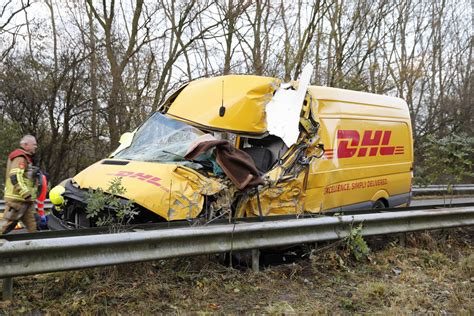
(433, 272)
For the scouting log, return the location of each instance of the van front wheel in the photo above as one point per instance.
(378, 204)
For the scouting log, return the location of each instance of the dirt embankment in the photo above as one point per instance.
(434, 272)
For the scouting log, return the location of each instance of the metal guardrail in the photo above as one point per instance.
(442, 188)
(47, 205)
(57, 254)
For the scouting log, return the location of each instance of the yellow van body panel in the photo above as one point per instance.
(282, 198)
(381, 194)
(368, 157)
(242, 97)
(368, 144)
(174, 192)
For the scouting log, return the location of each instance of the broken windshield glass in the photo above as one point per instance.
(160, 139)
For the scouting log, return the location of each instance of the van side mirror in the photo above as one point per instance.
(125, 141)
(126, 138)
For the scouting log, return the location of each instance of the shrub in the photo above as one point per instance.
(108, 208)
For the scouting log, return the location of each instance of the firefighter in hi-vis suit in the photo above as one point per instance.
(20, 187)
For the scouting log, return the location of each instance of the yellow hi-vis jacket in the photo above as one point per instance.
(20, 179)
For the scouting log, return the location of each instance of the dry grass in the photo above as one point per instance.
(434, 273)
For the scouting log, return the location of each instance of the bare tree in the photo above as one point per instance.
(8, 11)
(299, 39)
(230, 13)
(180, 37)
(118, 61)
(94, 82)
(7, 16)
(407, 56)
(256, 41)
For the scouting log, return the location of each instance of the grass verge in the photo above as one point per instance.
(433, 273)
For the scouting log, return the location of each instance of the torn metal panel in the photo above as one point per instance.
(222, 204)
(285, 197)
(198, 182)
(283, 111)
(187, 199)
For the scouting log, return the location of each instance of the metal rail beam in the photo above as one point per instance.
(442, 188)
(47, 205)
(57, 254)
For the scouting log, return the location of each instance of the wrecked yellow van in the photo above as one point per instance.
(243, 146)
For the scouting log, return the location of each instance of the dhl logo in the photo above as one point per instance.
(148, 178)
(373, 143)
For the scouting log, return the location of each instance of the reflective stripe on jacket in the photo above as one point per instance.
(20, 179)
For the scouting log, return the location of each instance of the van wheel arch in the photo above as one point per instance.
(381, 198)
(380, 203)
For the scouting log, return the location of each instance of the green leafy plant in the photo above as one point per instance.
(107, 208)
(356, 244)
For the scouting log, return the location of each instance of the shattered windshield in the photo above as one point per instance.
(160, 139)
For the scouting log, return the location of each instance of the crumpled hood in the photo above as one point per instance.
(244, 99)
(172, 191)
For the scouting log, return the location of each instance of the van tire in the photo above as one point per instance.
(379, 204)
(81, 220)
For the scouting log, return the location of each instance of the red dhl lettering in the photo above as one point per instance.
(373, 143)
(148, 178)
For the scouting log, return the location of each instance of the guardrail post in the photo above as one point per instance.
(403, 239)
(255, 260)
(7, 289)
